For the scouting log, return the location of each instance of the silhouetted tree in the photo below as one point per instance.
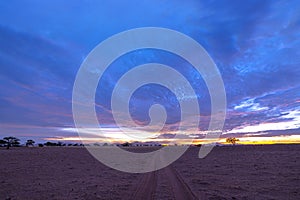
(2, 143)
(126, 144)
(11, 141)
(50, 144)
(232, 140)
(29, 143)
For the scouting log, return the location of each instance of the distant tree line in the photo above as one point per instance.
(15, 142)
(60, 144)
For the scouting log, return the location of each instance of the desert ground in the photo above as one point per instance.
(228, 172)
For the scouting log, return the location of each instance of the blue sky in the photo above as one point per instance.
(255, 44)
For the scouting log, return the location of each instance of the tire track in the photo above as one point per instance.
(180, 188)
(146, 187)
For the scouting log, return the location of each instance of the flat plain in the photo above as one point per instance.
(228, 172)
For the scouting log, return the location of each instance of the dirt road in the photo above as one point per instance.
(163, 184)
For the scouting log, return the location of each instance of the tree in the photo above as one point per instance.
(232, 140)
(52, 144)
(126, 144)
(29, 143)
(11, 141)
(2, 142)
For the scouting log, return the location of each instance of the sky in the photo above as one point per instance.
(255, 45)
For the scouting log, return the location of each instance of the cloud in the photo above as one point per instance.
(293, 122)
(250, 105)
(255, 45)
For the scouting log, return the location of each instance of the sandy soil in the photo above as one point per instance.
(236, 172)
(243, 172)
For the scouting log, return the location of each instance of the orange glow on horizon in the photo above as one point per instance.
(283, 139)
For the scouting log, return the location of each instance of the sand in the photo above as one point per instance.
(231, 172)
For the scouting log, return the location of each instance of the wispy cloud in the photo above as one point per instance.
(290, 120)
(250, 105)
